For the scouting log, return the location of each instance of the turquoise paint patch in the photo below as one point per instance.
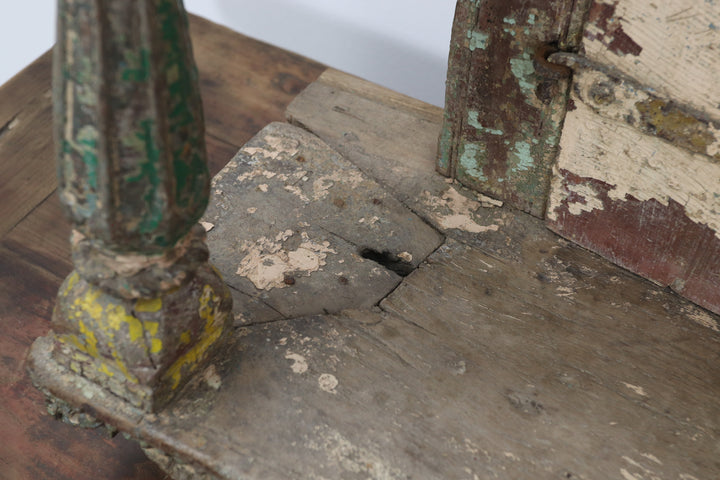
(468, 160)
(509, 20)
(524, 158)
(523, 70)
(531, 19)
(445, 142)
(511, 32)
(477, 40)
(473, 121)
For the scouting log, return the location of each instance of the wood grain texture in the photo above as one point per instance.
(370, 125)
(505, 103)
(34, 251)
(540, 360)
(35, 444)
(245, 84)
(564, 366)
(27, 135)
(298, 227)
(667, 45)
(640, 202)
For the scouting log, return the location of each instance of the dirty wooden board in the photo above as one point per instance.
(565, 366)
(299, 228)
(505, 103)
(34, 253)
(542, 360)
(36, 445)
(393, 139)
(669, 46)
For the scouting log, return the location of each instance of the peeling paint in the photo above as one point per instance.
(328, 383)
(477, 40)
(523, 70)
(523, 157)
(266, 262)
(323, 184)
(468, 160)
(636, 389)
(299, 364)
(652, 169)
(276, 147)
(455, 211)
(473, 121)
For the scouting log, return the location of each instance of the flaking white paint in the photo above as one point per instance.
(266, 262)
(679, 56)
(634, 165)
(455, 211)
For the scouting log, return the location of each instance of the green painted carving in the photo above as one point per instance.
(131, 156)
(143, 310)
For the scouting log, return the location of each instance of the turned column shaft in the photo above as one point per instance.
(143, 309)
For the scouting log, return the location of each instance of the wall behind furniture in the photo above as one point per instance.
(401, 44)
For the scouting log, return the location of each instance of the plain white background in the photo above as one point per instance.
(401, 44)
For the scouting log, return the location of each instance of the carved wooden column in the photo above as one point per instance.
(143, 308)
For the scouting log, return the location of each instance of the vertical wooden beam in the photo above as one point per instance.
(505, 103)
(143, 308)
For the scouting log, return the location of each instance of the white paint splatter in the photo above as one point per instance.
(323, 184)
(207, 226)
(276, 147)
(263, 187)
(702, 317)
(352, 458)
(251, 210)
(266, 262)
(299, 364)
(406, 256)
(638, 390)
(461, 210)
(328, 383)
(629, 476)
(652, 457)
(297, 192)
(687, 476)
(211, 378)
(511, 456)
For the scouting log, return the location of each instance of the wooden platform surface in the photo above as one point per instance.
(245, 85)
(507, 352)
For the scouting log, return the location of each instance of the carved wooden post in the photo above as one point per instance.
(143, 308)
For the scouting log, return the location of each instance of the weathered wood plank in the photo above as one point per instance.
(667, 45)
(641, 202)
(514, 371)
(372, 132)
(27, 85)
(35, 444)
(25, 183)
(638, 172)
(537, 360)
(505, 103)
(297, 226)
(245, 84)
